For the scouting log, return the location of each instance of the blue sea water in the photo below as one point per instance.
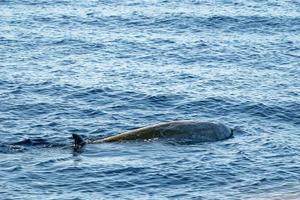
(100, 67)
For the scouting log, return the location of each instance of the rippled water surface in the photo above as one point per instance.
(98, 68)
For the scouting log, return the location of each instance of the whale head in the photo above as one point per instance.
(224, 132)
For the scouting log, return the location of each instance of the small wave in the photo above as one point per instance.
(289, 113)
(77, 45)
(162, 100)
(228, 23)
(7, 149)
(34, 109)
(223, 106)
(89, 93)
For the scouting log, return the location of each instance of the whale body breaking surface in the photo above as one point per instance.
(178, 130)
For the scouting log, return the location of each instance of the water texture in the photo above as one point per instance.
(98, 68)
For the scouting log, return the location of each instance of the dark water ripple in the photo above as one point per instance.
(101, 67)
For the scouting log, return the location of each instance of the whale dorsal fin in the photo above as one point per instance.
(78, 141)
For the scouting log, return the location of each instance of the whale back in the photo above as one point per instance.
(180, 131)
(196, 131)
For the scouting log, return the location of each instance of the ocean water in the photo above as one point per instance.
(97, 68)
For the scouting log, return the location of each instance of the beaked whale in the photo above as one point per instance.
(190, 130)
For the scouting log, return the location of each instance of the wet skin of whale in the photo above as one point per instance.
(181, 130)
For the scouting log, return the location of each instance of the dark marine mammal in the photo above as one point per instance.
(190, 130)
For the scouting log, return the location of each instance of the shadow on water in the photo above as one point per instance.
(32, 142)
(29, 143)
